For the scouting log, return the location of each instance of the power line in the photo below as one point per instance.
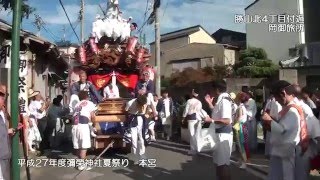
(164, 11)
(144, 19)
(69, 21)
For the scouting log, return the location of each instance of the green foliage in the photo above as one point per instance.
(257, 53)
(254, 64)
(26, 8)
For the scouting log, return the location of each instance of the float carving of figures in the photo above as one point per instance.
(113, 25)
(113, 9)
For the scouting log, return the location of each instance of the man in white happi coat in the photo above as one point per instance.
(313, 124)
(222, 117)
(191, 114)
(285, 133)
(272, 108)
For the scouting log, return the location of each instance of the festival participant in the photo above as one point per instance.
(84, 85)
(144, 85)
(133, 29)
(190, 114)
(222, 112)
(272, 108)
(152, 120)
(241, 131)
(288, 134)
(136, 109)
(313, 124)
(111, 91)
(83, 115)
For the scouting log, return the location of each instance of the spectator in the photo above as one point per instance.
(307, 94)
(165, 109)
(5, 133)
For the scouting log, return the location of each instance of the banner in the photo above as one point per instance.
(100, 81)
(23, 85)
(5, 54)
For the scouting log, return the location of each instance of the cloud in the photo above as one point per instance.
(174, 15)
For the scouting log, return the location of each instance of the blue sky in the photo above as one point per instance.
(174, 15)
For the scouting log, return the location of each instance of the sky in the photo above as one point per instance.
(174, 15)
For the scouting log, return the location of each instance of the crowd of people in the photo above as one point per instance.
(290, 119)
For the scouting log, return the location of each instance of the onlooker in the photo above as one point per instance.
(251, 107)
(306, 96)
(55, 113)
(5, 133)
(83, 114)
(222, 112)
(165, 109)
(38, 109)
(240, 128)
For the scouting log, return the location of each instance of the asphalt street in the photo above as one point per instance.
(167, 161)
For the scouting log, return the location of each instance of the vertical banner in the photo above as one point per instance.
(5, 54)
(23, 88)
(23, 96)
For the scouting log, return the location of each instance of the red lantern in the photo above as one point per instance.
(140, 55)
(93, 46)
(82, 53)
(132, 42)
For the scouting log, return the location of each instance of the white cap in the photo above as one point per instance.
(130, 17)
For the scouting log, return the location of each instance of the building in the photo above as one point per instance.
(45, 66)
(187, 47)
(296, 49)
(199, 55)
(234, 38)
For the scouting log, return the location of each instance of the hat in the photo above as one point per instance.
(233, 95)
(32, 93)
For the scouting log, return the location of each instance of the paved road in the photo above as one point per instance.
(172, 162)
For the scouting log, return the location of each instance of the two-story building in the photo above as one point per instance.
(296, 48)
(46, 68)
(191, 47)
(234, 38)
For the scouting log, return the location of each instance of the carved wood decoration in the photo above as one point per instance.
(113, 54)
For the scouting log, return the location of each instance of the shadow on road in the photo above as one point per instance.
(198, 167)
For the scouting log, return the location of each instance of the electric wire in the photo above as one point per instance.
(69, 21)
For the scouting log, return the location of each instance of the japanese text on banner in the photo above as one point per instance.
(5, 54)
(23, 89)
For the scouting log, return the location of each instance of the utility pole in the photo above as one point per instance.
(14, 86)
(157, 46)
(82, 21)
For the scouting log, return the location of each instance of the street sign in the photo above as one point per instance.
(5, 54)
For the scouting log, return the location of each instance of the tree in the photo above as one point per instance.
(26, 8)
(254, 63)
(190, 75)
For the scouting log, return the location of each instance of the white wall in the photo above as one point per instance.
(276, 44)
